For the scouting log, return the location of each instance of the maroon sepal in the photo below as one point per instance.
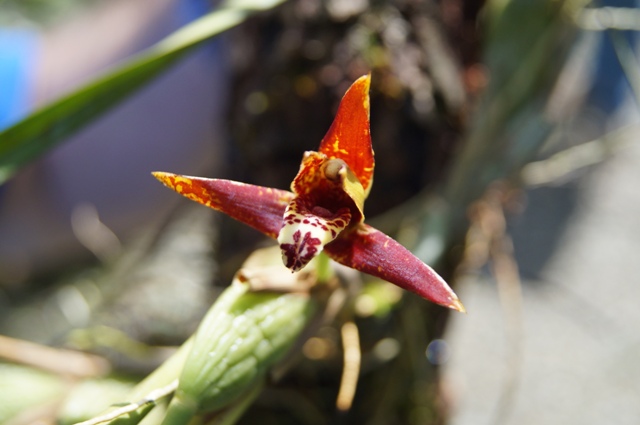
(370, 251)
(259, 207)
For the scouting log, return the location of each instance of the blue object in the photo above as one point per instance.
(610, 85)
(17, 54)
(193, 9)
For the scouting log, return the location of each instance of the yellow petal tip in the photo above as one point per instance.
(457, 305)
(164, 178)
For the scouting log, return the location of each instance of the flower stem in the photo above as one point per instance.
(323, 268)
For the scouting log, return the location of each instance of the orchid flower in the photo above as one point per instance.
(324, 210)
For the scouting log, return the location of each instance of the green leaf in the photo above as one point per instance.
(45, 128)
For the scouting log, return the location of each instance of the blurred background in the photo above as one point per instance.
(503, 133)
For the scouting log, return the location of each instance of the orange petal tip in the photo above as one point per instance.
(165, 178)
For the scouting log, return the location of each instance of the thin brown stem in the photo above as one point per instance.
(351, 371)
(56, 360)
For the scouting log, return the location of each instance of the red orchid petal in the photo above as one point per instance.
(349, 137)
(370, 251)
(259, 207)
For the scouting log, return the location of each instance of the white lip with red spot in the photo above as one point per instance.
(304, 234)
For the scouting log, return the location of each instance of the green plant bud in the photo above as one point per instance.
(240, 338)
